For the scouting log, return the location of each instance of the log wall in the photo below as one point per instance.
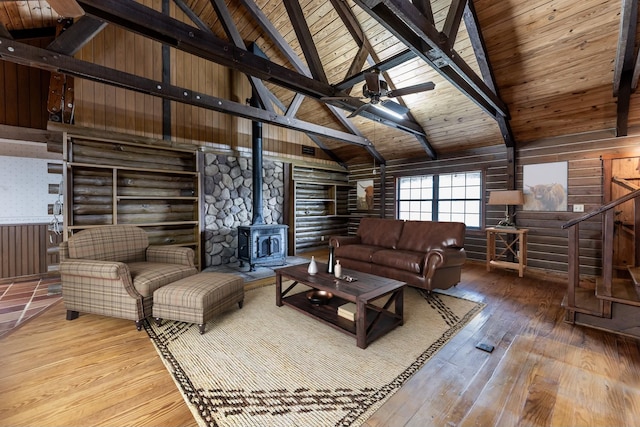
(547, 241)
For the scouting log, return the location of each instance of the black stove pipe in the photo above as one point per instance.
(256, 148)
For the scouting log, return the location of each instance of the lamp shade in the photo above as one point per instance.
(506, 197)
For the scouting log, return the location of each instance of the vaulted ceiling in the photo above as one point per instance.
(503, 72)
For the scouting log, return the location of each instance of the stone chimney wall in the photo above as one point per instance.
(228, 203)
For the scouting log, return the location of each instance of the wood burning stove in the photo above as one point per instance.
(264, 244)
(260, 243)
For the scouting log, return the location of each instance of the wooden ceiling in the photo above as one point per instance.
(557, 67)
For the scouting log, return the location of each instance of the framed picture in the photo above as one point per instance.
(364, 195)
(545, 187)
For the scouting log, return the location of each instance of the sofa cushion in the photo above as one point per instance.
(149, 276)
(422, 236)
(380, 232)
(399, 259)
(123, 243)
(357, 252)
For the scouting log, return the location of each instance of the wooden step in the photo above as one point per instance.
(634, 272)
(586, 302)
(623, 291)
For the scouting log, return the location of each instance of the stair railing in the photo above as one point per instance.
(573, 227)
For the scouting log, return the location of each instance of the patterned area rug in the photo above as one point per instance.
(265, 365)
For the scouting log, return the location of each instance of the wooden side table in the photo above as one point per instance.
(511, 247)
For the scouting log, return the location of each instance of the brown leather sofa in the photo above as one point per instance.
(424, 254)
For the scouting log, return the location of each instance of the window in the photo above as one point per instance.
(444, 197)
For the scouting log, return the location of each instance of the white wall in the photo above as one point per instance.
(24, 190)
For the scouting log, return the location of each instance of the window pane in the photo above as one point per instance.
(474, 178)
(458, 180)
(472, 206)
(458, 206)
(473, 192)
(458, 193)
(472, 220)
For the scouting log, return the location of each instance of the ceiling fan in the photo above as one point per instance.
(375, 89)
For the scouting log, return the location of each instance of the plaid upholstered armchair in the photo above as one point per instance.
(112, 271)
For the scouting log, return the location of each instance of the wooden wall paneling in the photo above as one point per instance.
(175, 106)
(84, 91)
(140, 112)
(120, 95)
(3, 99)
(129, 106)
(154, 123)
(99, 89)
(24, 250)
(203, 126)
(110, 60)
(34, 108)
(212, 118)
(10, 93)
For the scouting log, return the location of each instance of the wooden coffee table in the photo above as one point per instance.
(371, 320)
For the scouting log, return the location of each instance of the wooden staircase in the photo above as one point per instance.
(613, 304)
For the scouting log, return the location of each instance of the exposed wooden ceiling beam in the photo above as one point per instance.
(21, 53)
(352, 24)
(424, 6)
(192, 15)
(150, 23)
(382, 66)
(626, 40)
(452, 23)
(234, 35)
(297, 63)
(276, 37)
(406, 22)
(480, 51)
(299, 24)
(624, 70)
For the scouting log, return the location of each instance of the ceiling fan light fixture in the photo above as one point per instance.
(387, 110)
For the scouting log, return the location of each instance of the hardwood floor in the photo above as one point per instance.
(102, 372)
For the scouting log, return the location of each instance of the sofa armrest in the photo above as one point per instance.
(337, 241)
(171, 255)
(98, 274)
(443, 258)
(92, 268)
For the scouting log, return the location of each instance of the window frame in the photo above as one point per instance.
(435, 201)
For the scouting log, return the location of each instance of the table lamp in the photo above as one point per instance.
(507, 198)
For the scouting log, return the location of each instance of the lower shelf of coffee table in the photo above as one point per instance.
(328, 314)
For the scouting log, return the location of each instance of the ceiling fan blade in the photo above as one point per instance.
(373, 81)
(67, 8)
(358, 110)
(395, 107)
(412, 89)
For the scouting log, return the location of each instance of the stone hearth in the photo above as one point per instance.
(228, 202)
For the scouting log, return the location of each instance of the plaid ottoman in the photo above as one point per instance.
(198, 298)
